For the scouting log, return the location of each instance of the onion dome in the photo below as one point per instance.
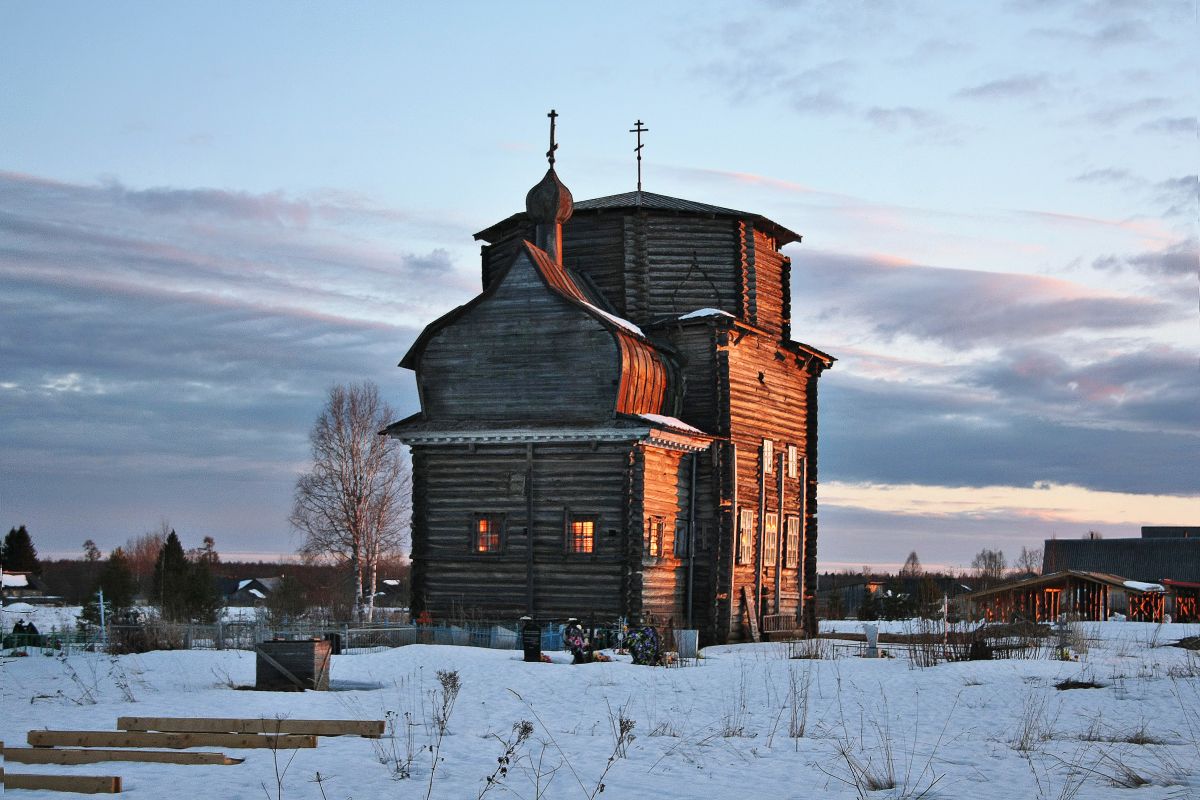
(549, 202)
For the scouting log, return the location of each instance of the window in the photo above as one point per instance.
(793, 455)
(581, 535)
(770, 538)
(655, 530)
(486, 534)
(792, 554)
(768, 455)
(745, 547)
(681, 538)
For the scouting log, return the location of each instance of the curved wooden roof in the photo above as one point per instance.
(644, 373)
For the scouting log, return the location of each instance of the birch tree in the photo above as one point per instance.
(352, 506)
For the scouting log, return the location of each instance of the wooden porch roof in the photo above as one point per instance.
(1115, 581)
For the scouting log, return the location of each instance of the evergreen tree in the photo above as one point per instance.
(18, 553)
(288, 602)
(871, 607)
(119, 585)
(182, 590)
(169, 587)
(202, 603)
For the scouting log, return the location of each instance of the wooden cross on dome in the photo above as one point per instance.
(639, 129)
(550, 153)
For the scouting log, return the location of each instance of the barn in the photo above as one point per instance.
(620, 425)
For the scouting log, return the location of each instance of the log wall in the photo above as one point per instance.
(454, 483)
(768, 398)
(523, 353)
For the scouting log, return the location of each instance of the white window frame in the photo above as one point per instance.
(792, 552)
(770, 538)
(793, 461)
(745, 536)
(768, 456)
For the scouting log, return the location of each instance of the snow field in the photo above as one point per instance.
(720, 730)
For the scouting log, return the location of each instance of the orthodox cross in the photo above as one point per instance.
(550, 153)
(639, 129)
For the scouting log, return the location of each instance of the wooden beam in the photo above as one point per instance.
(50, 755)
(372, 728)
(82, 784)
(174, 741)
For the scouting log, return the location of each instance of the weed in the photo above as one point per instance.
(442, 703)
(521, 731)
(734, 718)
(1034, 725)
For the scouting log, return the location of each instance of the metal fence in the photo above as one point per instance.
(349, 638)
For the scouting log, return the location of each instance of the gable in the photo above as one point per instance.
(534, 345)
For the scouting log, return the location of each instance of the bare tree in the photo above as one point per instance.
(912, 566)
(1030, 560)
(141, 552)
(352, 507)
(989, 564)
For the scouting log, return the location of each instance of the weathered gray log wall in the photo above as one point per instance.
(522, 353)
(455, 483)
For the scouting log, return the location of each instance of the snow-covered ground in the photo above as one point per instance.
(722, 729)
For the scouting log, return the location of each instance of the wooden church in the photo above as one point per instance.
(619, 426)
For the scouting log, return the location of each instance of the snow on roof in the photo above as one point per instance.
(706, 312)
(392, 581)
(1141, 586)
(671, 422)
(245, 583)
(19, 608)
(17, 581)
(624, 323)
(258, 594)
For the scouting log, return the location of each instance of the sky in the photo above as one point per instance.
(212, 213)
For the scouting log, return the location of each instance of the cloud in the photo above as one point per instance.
(1180, 195)
(1178, 260)
(1015, 86)
(1106, 175)
(1170, 125)
(897, 117)
(957, 434)
(1149, 389)
(1112, 34)
(960, 308)
(177, 343)
(1114, 113)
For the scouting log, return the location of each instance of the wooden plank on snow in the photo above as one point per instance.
(81, 784)
(174, 741)
(373, 728)
(50, 755)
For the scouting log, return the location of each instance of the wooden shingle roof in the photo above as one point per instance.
(649, 201)
(1149, 559)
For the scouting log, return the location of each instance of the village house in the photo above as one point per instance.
(620, 425)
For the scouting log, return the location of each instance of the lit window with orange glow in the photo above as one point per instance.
(581, 536)
(487, 534)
